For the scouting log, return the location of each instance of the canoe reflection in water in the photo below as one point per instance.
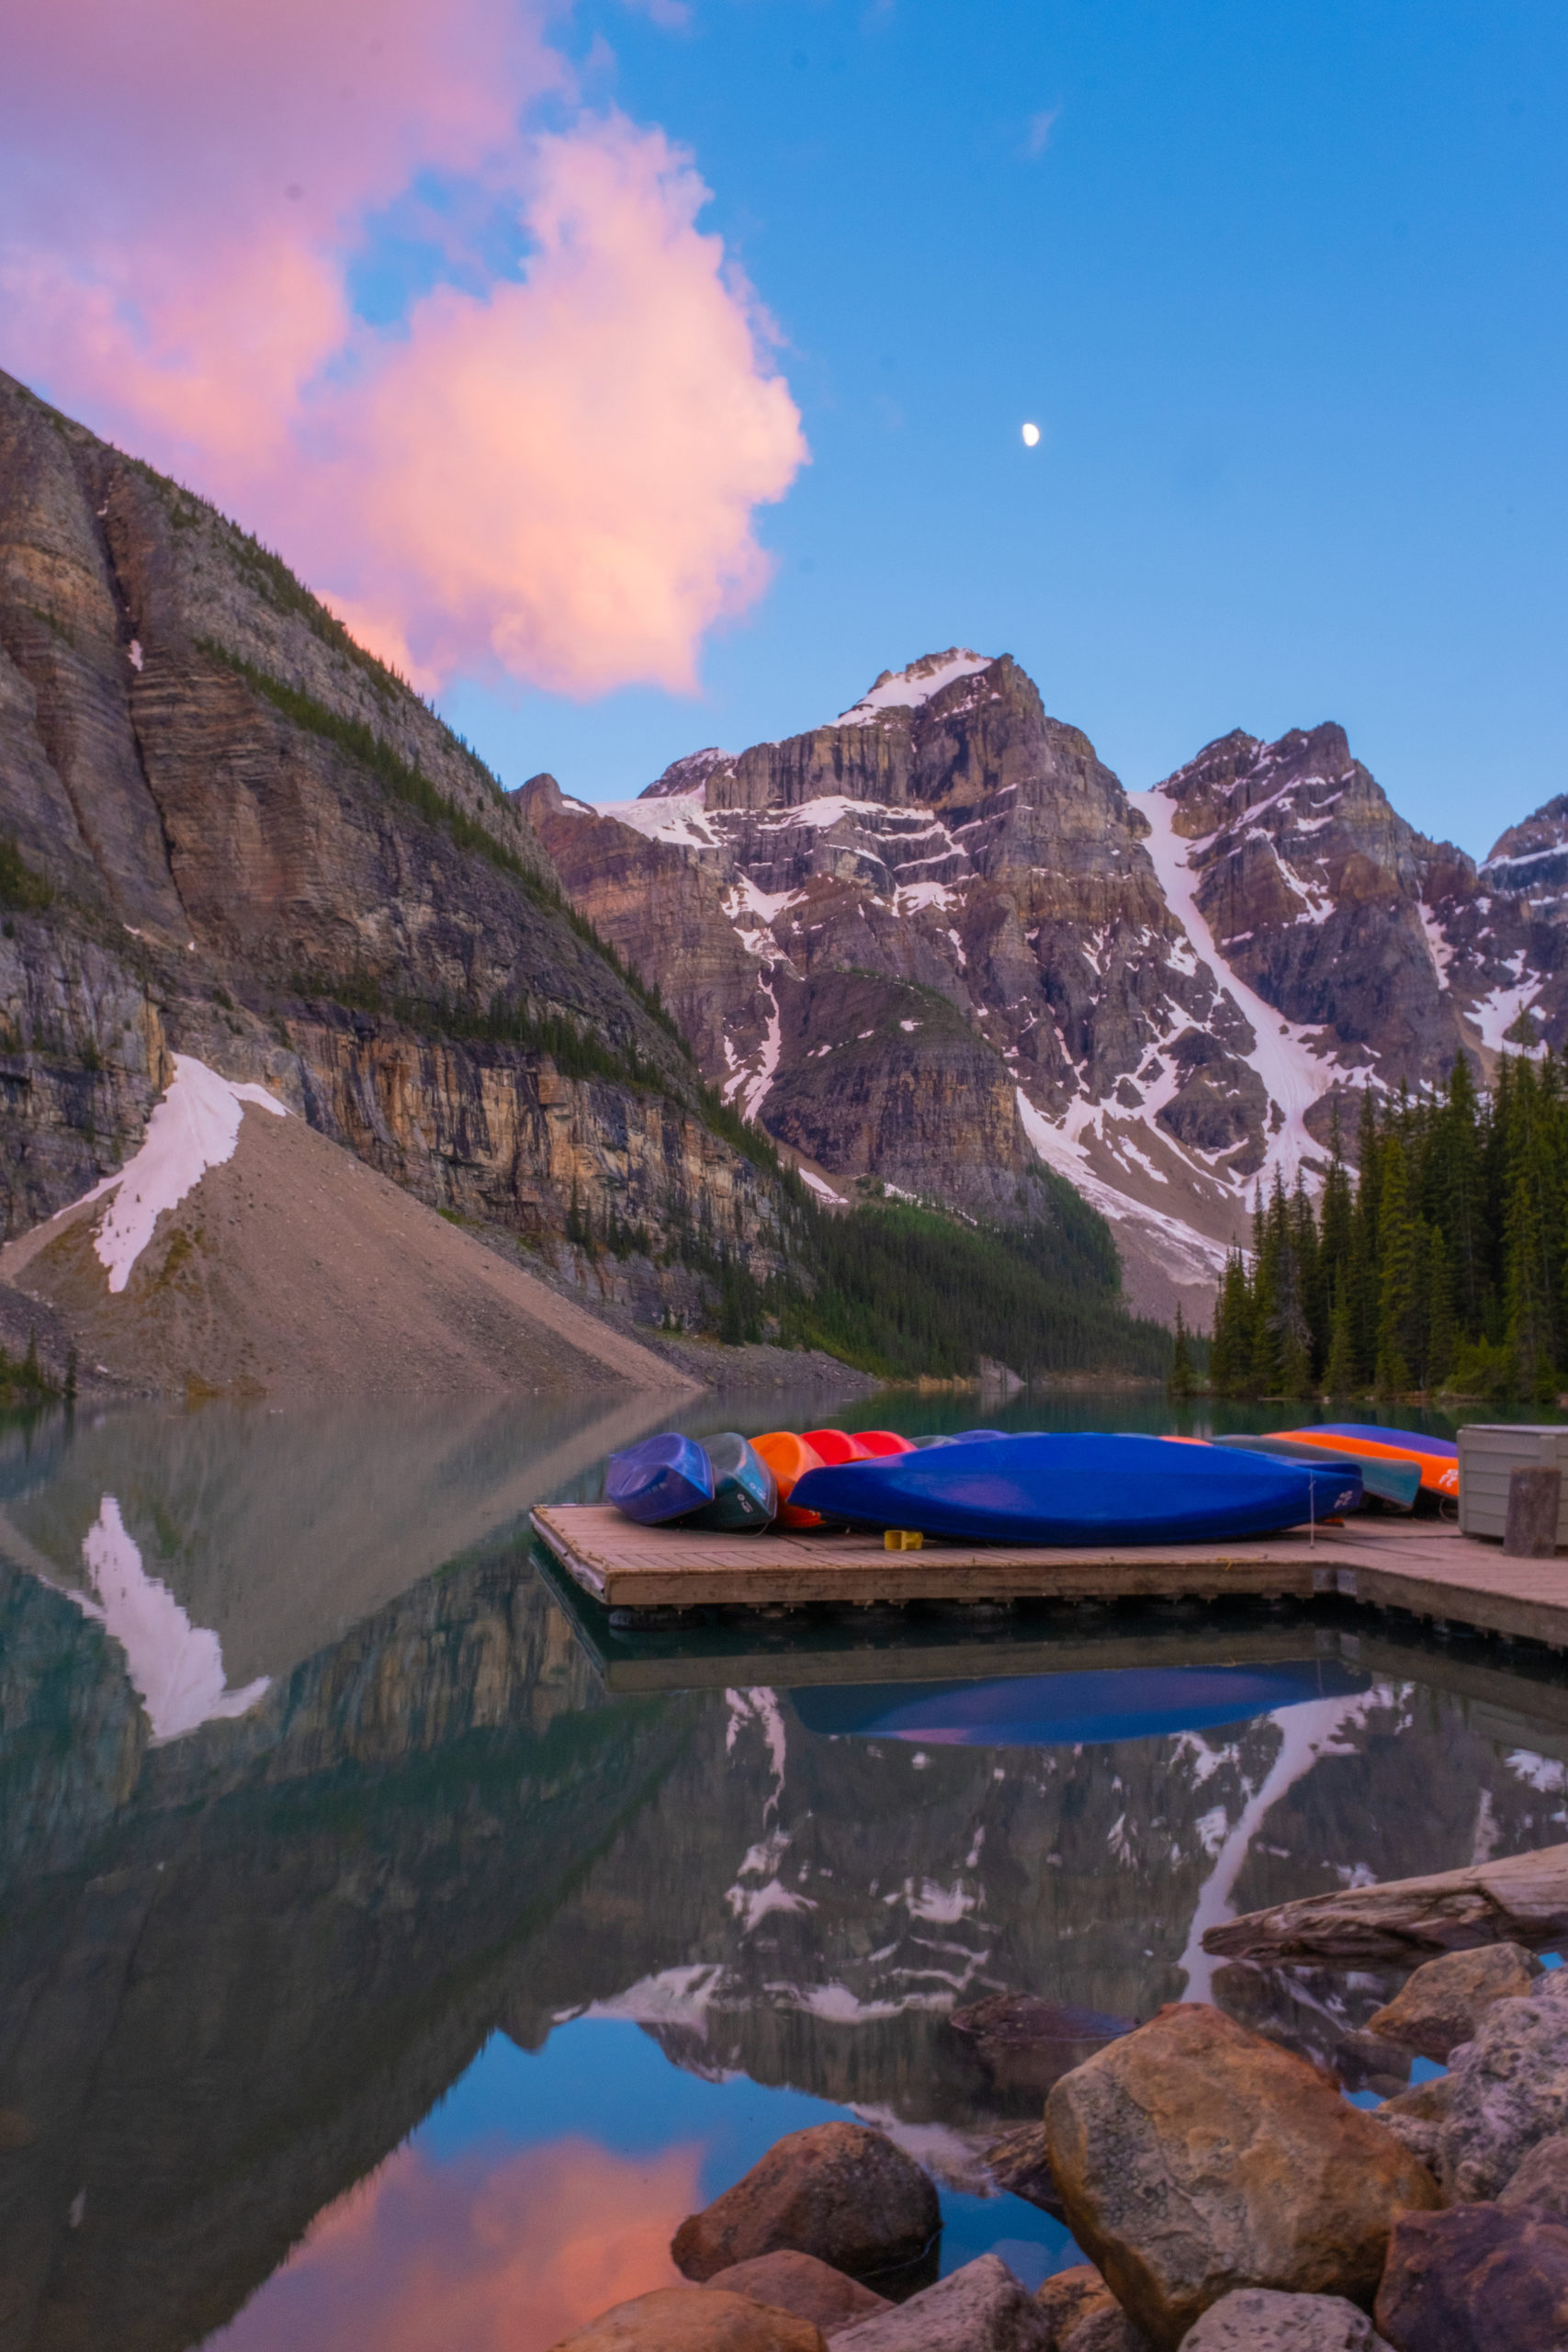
(1072, 1710)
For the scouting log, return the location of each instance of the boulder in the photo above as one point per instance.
(1026, 2044)
(1071, 2295)
(1194, 2157)
(1442, 2004)
(1021, 2163)
(982, 2307)
(830, 2299)
(1415, 2116)
(693, 2319)
(838, 2190)
(1107, 2330)
(1509, 2090)
(1522, 1899)
(1542, 2181)
(1256, 2319)
(1480, 2279)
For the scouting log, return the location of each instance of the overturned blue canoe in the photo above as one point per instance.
(1395, 1482)
(659, 1478)
(1070, 1710)
(1070, 1487)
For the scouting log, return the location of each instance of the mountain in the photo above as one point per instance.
(227, 832)
(935, 945)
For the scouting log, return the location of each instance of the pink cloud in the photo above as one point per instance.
(508, 2257)
(555, 478)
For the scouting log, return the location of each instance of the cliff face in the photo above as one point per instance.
(225, 829)
(964, 949)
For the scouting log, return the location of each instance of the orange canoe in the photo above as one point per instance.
(789, 1457)
(1436, 1457)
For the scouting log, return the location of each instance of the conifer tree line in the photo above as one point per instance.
(1441, 1264)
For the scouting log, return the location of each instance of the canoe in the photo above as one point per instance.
(1437, 1457)
(659, 1478)
(835, 1445)
(1395, 1482)
(1080, 1709)
(789, 1458)
(1073, 1487)
(745, 1492)
(883, 1441)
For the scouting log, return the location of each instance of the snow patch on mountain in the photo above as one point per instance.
(195, 1127)
(908, 689)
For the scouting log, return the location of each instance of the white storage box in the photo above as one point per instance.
(1487, 1453)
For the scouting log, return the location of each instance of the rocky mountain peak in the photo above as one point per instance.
(1530, 861)
(908, 689)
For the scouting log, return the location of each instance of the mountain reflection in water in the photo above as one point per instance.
(416, 2002)
(1073, 1709)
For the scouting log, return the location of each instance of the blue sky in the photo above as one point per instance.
(1283, 288)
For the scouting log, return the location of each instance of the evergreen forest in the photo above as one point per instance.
(1441, 1266)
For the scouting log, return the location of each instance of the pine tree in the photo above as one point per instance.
(1339, 1374)
(1182, 1382)
(1440, 1303)
(1398, 1274)
(1528, 1324)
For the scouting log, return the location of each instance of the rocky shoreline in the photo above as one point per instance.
(1230, 2196)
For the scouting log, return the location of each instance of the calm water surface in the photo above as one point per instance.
(392, 1952)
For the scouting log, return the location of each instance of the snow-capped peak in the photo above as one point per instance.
(907, 689)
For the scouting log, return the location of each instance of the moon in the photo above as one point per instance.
(1031, 435)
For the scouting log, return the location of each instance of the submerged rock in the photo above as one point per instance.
(1026, 2044)
(1194, 2158)
(693, 2319)
(1258, 2319)
(1509, 2090)
(795, 2282)
(1070, 2297)
(1445, 2000)
(838, 2190)
(1477, 2280)
(982, 2307)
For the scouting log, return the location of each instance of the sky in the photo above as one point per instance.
(639, 378)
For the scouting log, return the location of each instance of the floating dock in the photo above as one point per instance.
(1423, 1567)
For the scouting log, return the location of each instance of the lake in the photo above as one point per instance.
(392, 1949)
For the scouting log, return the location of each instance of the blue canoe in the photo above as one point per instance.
(1092, 1708)
(1395, 1482)
(661, 1478)
(745, 1493)
(1079, 1487)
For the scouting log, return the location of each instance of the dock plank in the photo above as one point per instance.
(1424, 1566)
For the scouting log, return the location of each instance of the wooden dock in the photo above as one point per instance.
(1423, 1567)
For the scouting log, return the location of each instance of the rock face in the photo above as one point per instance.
(830, 2299)
(1480, 2279)
(839, 2191)
(225, 829)
(981, 2308)
(690, 2319)
(1523, 1898)
(1159, 994)
(1445, 2000)
(1255, 2319)
(1510, 2091)
(1194, 2158)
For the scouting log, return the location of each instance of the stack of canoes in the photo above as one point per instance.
(1048, 1489)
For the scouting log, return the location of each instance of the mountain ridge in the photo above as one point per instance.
(1163, 995)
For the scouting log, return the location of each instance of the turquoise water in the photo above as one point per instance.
(392, 1951)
